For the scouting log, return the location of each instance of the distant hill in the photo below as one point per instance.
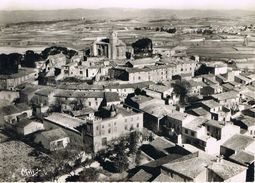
(113, 13)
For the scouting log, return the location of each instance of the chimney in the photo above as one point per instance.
(179, 140)
(219, 159)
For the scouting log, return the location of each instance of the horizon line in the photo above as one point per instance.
(180, 9)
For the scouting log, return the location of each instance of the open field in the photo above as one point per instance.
(223, 52)
(77, 33)
(21, 50)
(73, 31)
(250, 65)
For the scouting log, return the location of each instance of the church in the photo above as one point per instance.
(111, 47)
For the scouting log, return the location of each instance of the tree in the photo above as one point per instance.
(30, 58)
(46, 171)
(9, 63)
(142, 46)
(138, 157)
(234, 108)
(89, 175)
(73, 178)
(56, 50)
(57, 106)
(133, 141)
(77, 105)
(181, 88)
(120, 162)
(57, 163)
(203, 69)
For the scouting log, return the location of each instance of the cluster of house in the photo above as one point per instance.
(217, 121)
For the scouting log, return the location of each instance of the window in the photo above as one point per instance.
(192, 134)
(126, 127)
(89, 103)
(109, 130)
(97, 128)
(139, 78)
(88, 128)
(102, 126)
(208, 128)
(114, 123)
(131, 127)
(81, 72)
(186, 131)
(137, 125)
(104, 141)
(218, 131)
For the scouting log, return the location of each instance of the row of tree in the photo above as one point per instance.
(9, 62)
(170, 30)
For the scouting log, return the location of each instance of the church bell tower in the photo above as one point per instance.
(113, 44)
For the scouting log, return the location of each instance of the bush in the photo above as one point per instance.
(74, 178)
(89, 175)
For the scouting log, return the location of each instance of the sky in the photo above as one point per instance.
(94, 4)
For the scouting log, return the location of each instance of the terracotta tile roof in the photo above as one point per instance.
(226, 169)
(242, 157)
(141, 176)
(54, 134)
(238, 142)
(14, 109)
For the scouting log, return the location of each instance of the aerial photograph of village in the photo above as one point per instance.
(127, 91)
